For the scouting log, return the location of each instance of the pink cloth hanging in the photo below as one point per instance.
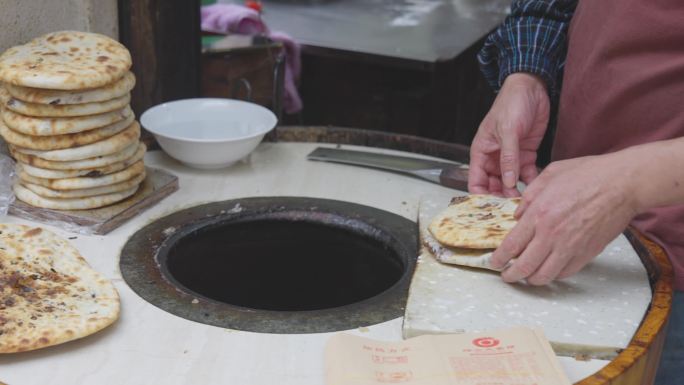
(232, 18)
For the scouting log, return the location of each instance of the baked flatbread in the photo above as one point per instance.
(38, 126)
(95, 172)
(429, 208)
(66, 60)
(85, 182)
(58, 142)
(50, 193)
(475, 221)
(110, 91)
(479, 258)
(49, 293)
(84, 164)
(86, 203)
(106, 146)
(62, 110)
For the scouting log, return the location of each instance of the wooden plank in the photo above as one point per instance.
(157, 185)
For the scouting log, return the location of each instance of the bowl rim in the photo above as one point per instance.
(268, 112)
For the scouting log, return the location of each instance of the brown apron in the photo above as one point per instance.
(624, 85)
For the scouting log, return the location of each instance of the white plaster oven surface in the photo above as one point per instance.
(149, 346)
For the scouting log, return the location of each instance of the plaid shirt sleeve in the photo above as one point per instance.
(532, 39)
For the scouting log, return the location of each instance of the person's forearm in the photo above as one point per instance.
(657, 173)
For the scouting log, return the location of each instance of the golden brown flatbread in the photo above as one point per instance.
(49, 295)
(475, 221)
(65, 60)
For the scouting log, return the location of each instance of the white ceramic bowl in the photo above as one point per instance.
(208, 132)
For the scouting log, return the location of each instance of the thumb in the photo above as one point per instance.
(510, 159)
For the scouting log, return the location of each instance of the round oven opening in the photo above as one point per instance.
(275, 264)
(281, 265)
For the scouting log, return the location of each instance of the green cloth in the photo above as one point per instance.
(207, 41)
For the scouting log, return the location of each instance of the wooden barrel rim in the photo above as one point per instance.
(652, 327)
(649, 338)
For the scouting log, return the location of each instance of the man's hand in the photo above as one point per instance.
(505, 146)
(571, 211)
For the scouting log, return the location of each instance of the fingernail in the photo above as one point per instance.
(509, 179)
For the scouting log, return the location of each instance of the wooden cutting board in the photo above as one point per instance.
(594, 313)
(157, 185)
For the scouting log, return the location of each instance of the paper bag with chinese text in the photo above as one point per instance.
(517, 356)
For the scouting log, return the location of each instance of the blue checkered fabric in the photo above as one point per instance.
(532, 39)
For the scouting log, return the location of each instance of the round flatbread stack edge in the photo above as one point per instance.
(84, 182)
(81, 203)
(82, 164)
(65, 114)
(114, 90)
(62, 110)
(94, 172)
(42, 126)
(51, 295)
(60, 142)
(81, 193)
(111, 145)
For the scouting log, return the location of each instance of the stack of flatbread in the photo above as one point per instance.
(66, 117)
(48, 293)
(467, 232)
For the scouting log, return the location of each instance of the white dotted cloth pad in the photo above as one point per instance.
(596, 312)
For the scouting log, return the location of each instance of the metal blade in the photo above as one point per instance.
(382, 161)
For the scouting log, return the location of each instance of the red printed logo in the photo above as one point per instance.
(486, 342)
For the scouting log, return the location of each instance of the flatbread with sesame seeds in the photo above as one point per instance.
(110, 91)
(65, 60)
(475, 221)
(48, 293)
